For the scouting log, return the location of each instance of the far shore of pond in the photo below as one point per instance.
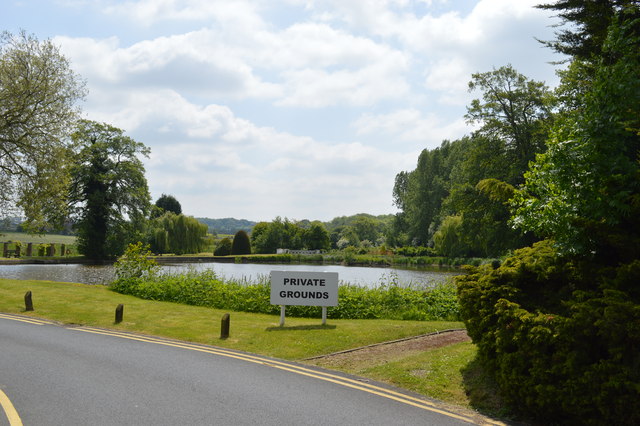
(79, 260)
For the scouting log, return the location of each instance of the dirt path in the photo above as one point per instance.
(389, 351)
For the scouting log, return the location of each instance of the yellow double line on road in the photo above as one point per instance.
(9, 410)
(297, 369)
(29, 320)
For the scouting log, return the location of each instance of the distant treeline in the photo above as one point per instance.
(228, 225)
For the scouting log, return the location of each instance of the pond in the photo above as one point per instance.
(362, 276)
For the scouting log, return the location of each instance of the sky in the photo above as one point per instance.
(304, 109)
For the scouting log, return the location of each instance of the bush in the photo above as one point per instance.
(208, 289)
(135, 263)
(241, 243)
(561, 337)
(410, 251)
(223, 248)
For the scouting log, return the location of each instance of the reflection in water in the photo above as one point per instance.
(103, 274)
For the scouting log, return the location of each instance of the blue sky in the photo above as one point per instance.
(305, 109)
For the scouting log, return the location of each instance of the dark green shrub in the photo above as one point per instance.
(241, 243)
(223, 248)
(561, 337)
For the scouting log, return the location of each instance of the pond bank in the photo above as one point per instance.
(168, 260)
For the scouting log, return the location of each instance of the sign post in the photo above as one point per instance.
(305, 289)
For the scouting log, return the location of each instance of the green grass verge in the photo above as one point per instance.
(259, 333)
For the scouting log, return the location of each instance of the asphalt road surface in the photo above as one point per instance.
(61, 375)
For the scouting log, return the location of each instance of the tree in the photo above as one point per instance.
(588, 25)
(241, 243)
(448, 239)
(557, 324)
(178, 234)
(223, 248)
(267, 237)
(584, 192)
(420, 192)
(316, 237)
(108, 191)
(515, 110)
(168, 203)
(38, 96)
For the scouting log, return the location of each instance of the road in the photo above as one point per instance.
(61, 375)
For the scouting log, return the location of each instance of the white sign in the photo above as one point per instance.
(304, 288)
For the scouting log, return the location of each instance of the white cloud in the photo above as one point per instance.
(298, 108)
(150, 12)
(193, 63)
(412, 125)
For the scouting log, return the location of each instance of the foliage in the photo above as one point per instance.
(223, 248)
(316, 237)
(178, 234)
(388, 300)
(414, 251)
(472, 178)
(558, 324)
(108, 190)
(421, 192)
(496, 190)
(352, 230)
(560, 336)
(136, 263)
(449, 240)
(585, 191)
(588, 23)
(38, 96)
(267, 237)
(169, 203)
(514, 110)
(241, 243)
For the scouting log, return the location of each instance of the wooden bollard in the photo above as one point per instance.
(28, 302)
(119, 313)
(224, 328)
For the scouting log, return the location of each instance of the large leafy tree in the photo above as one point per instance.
(38, 97)
(108, 191)
(514, 110)
(585, 191)
(316, 237)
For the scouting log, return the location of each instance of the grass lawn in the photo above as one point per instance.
(37, 239)
(299, 338)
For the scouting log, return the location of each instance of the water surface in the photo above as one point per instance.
(358, 275)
